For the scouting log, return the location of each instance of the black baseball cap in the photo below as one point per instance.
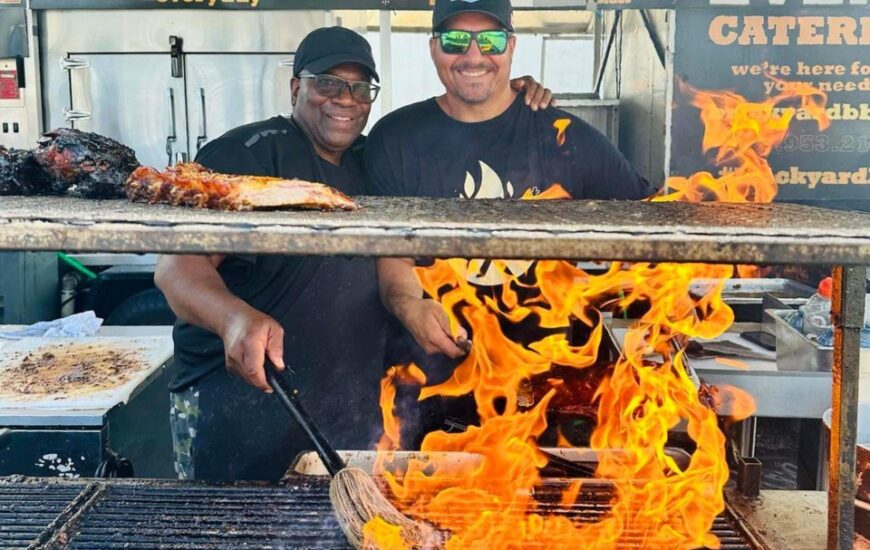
(500, 10)
(327, 47)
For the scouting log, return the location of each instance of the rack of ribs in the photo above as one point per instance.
(190, 184)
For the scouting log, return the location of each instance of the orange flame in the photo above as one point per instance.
(743, 134)
(561, 125)
(481, 485)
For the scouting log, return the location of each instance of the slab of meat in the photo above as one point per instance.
(84, 163)
(19, 173)
(190, 184)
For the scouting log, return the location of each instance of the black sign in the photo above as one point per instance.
(758, 52)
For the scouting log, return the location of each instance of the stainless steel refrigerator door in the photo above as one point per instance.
(132, 98)
(226, 90)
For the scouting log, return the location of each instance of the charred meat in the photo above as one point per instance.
(190, 184)
(84, 163)
(19, 173)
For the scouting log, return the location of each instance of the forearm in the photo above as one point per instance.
(195, 291)
(398, 284)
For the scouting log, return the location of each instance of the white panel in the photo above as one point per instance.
(238, 89)
(128, 99)
(569, 65)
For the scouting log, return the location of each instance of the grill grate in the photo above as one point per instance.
(162, 514)
(27, 509)
(154, 515)
(593, 505)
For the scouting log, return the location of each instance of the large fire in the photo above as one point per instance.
(479, 485)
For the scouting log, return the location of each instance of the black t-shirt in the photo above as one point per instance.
(420, 151)
(328, 306)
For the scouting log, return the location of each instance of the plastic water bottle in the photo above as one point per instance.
(827, 339)
(817, 310)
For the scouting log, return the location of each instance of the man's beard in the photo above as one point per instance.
(467, 96)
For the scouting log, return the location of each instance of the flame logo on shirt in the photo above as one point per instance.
(490, 186)
(561, 125)
(483, 272)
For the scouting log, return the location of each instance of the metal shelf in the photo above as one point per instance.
(582, 230)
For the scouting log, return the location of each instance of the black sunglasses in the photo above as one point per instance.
(455, 42)
(331, 86)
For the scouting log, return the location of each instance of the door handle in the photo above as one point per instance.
(286, 62)
(176, 54)
(73, 63)
(203, 128)
(171, 137)
(72, 115)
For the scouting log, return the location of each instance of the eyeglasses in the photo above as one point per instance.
(455, 42)
(332, 87)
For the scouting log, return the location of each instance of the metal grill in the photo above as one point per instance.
(162, 514)
(28, 509)
(193, 516)
(593, 505)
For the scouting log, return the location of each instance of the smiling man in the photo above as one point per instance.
(320, 316)
(477, 140)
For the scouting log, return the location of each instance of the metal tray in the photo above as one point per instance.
(796, 352)
(751, 291)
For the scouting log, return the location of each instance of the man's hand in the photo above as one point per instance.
(427, 322)
(249, 337)
(537, 96)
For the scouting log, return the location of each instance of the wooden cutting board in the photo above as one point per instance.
(95, 372)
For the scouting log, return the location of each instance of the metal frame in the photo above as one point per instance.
(588, 230)
(394, 226)
(848, 316)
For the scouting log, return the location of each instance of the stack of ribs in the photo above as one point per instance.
(68, 161)
(190, 184)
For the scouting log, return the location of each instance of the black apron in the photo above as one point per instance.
(244, 433)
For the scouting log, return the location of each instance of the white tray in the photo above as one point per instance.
(153, 352)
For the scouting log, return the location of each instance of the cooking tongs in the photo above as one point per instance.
(287, 395)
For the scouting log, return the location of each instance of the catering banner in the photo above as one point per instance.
(757, 53)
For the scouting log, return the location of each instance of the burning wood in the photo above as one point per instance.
(656, 503)
(190, 184)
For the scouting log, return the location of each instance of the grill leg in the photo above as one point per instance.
(848, 316)
(746, 432)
